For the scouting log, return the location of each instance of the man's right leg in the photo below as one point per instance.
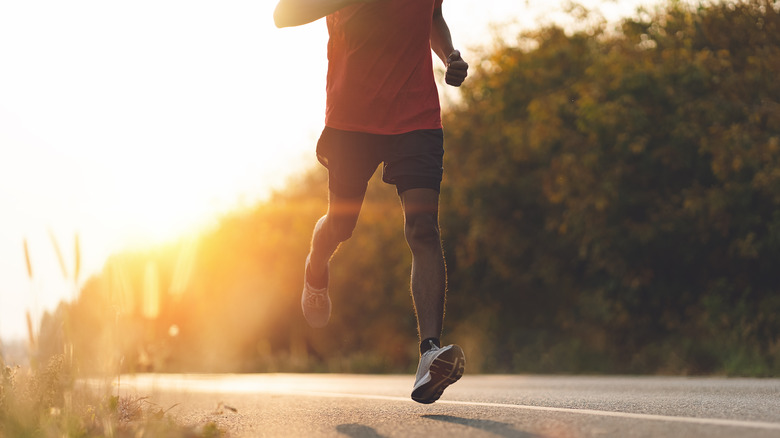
(351, 159)
(332, 229)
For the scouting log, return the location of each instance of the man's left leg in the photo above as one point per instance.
(438, 367)
(429, 278)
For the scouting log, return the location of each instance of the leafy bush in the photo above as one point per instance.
(620, 191)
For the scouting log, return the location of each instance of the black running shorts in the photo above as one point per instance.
(411, 160)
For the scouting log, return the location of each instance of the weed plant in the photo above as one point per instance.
(47, 401)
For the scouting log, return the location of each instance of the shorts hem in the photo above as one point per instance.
(404, 183)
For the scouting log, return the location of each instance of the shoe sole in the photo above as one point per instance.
(445, 370)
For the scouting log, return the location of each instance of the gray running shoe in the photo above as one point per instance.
(438, 369)
(315, 302)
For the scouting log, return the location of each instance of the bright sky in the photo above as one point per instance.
(132, 123)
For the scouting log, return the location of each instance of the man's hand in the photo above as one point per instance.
(457, 69)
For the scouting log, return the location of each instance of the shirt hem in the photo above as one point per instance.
(382, 131)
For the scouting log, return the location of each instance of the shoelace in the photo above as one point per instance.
(315, 299)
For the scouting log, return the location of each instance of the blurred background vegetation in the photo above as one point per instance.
(611, 204)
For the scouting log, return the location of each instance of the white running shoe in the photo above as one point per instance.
(438, 369)
(315, 303)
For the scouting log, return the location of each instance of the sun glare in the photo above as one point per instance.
(137, 124)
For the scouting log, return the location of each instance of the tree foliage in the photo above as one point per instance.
(614, 197)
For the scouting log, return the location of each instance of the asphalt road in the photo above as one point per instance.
(477, 406)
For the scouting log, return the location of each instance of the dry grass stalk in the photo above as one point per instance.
(30, 331)
(27, 259)
(77, 267)
(60, 259)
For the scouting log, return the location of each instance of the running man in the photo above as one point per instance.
(383, 108)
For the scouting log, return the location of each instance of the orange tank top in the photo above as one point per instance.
(380, 69)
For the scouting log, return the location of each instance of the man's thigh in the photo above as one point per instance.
(413, 160)
(351, 158)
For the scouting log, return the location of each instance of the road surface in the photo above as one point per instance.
(311, 405)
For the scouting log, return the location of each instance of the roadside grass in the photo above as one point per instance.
(47, 401)
(48, 397)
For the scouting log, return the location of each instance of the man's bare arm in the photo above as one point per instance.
(298, 12)
(441, 43)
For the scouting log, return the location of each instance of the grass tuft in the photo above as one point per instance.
(46, 402)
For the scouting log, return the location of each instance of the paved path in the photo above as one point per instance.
(478, 406)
